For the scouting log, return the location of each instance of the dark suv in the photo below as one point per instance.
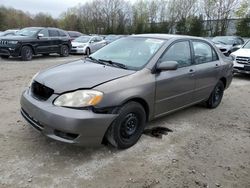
(35, 40)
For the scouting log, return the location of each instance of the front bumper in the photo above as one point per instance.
(81, 127)
(241, 68)
(78, 50)
(9, 51)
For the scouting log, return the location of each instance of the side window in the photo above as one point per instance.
(240, 41)
(179, 52)
(204, 53)
(53, 33)
(44, 32)
(99, 39)
(62, 33)
(94, 39)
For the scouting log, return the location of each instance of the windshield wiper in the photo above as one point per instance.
(120, 65)
(95, 60)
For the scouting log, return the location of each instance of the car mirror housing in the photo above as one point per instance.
(40, 35)
(167, 65)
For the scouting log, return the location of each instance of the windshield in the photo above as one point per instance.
(82, 39)
(247, 45)
(133, 52)
(28, 32)
(111, 37)
(224, 40)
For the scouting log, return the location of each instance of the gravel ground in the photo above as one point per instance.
(207, 148)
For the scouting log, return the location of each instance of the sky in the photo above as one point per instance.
(53, 7)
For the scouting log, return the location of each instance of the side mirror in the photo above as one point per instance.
(91, 41)
(40, 35)
(167, 65)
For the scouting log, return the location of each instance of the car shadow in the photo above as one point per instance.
(242, 76)
(41, 57)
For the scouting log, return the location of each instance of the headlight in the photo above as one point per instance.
(12, 42)
(33, 78)
(80, 98)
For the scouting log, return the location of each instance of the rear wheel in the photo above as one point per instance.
(5, 56)
(64, 52)
(216, 96)
(26, 53)
(128, 127)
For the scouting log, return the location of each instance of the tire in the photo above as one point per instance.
(88, 52)
(216, 96)
(5, 56)
(64, 51)
(26, 53)
(128, 127)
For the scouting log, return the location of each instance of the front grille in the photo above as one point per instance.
(3, 42)
(40, 91)
(243, 60)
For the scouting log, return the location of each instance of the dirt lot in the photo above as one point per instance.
(207, 148)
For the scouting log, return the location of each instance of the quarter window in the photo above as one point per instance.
(179, 52)
(203, 53)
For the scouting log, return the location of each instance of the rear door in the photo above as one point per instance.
(55, 40)
(207, 67)
(175, 88)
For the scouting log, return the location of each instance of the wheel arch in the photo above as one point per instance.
(29, 45)
(224, 81)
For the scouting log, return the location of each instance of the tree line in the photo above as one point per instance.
(192, 17)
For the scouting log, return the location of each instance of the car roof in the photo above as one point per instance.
(167, 36)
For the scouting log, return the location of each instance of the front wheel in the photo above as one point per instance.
(216, 96)
(128, 127)
(88, 52)
(64, 52)
(26, 53)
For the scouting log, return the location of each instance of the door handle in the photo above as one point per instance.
(191, 71)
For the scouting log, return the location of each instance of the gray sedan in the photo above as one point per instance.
(109, 96)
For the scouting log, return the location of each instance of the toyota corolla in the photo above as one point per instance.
(112, 94)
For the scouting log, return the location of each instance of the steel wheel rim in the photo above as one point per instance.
(129, 126)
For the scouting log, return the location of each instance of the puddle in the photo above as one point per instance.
(157, 132)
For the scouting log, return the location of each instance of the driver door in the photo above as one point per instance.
(175, 88)
(43, 43)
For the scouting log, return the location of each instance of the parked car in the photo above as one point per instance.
(35, 40)
(87, 44)
(9, 32)
(112, 38)
(242, 59)
(228, 44)
(110, 95)
(74, 34)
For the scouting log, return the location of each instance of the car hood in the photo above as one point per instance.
(78, 44)
(242, 52)
(223, 46)
(81, 74)
(15, 37)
